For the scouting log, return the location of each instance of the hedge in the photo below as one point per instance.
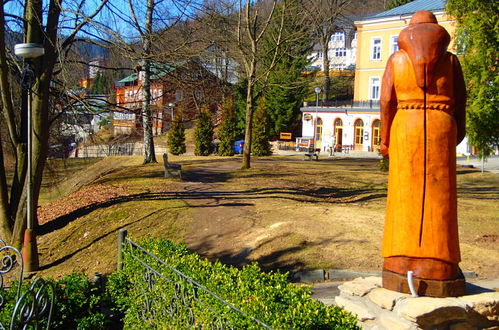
(268, 297)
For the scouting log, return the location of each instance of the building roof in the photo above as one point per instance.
(411, 8)
(158, 70)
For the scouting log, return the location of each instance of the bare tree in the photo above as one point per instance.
(41, 24)
(322, 18)
(146, 35)
(242, 26)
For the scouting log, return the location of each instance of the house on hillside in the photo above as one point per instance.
(177, 89)
(357, 127)
(342, 49)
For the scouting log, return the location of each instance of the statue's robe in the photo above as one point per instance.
(423, 108)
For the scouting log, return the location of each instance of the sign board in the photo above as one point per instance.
(285, 136)
(307, 116)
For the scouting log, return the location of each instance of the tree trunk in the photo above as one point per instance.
(149, 154)
(249, 123)
(327, 78)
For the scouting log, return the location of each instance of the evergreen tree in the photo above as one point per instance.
(395, 3)
(99, 85)
(176, 135)
(261, 131)
(239, 92)
(203, 134)
(477, 40)
(227, 132)
(285, 95)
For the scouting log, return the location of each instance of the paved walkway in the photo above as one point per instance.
(491, 164)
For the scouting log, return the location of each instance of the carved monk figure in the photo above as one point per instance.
(423, 100)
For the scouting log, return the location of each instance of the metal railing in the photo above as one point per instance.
(185, 299)
(370, 104)
(34, 306)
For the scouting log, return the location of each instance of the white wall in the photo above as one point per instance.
(348, 118)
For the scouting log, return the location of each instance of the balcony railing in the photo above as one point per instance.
(370, 104)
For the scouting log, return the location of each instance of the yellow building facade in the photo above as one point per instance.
(377, 40)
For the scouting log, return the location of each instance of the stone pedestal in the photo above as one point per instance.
(424, 287)
(379, 308)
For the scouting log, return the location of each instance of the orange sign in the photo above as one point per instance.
(285, 136)
(307, 116)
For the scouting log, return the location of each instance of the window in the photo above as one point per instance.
(338, 132)
(376, 133)
(179, 95)
(394, 44)
(338, 36)
(376, 49)
(126, 96)
(374, 87)
(198, 95)
(359, 132)
(318, 134)
(340, 52)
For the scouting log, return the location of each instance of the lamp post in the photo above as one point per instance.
(29, 51)
(317, 92)
(171, 105)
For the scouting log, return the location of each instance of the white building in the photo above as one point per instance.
(344, 128)
(342, 50)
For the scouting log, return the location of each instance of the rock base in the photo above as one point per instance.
(379, 308)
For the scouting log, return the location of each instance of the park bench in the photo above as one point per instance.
(171, 169)
(312, 153)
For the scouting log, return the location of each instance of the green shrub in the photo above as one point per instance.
(176, 135)
(228, 129)
(261, 130)
(78, 304)
(384, 164)
(268, 297)
(203, 133)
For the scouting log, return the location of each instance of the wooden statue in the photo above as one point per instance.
(423, 99)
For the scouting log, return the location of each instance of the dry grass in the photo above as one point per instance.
(283, 213)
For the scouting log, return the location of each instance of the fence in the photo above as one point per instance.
(186, 298)
(34, 306)
(119, 149)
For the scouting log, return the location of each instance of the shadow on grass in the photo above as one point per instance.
(230, 198)
(274, 260)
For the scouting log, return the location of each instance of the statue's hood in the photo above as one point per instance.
(425, 42)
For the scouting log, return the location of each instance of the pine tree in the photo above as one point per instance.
(227, 133)
(176, 135)
(239, 93)
(261, 131)
(477, 39)
(203, 134)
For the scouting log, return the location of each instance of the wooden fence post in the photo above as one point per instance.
(121, 241)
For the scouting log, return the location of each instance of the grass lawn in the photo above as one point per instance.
(284, 213)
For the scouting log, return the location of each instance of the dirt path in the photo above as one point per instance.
(225, 219)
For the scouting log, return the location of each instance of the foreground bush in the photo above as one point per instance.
(269, 298)
(78, 304)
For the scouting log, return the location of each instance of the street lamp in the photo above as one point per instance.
(29, 51)
(317, 92)
(171, 105)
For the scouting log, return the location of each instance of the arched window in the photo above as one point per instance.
(359, 132)
(318, 133)
(376, 135)
(338, 132)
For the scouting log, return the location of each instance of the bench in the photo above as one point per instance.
(312, 153)
(171, 169)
